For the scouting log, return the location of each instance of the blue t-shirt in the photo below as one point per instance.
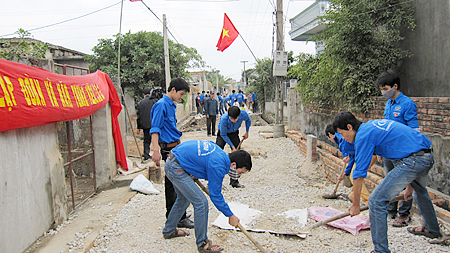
(164, 121)
(240, 97)
(232, 98)
(205, 160)
(402, 110)
(388, 139)
(347, 149)
(220, 99)
(254, 97)
(201, 97)
(226, 126)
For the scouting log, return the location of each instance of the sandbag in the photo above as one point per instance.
(143, 185)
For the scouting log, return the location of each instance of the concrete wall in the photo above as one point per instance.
(185, 111)
(427, 72)
(32, 186)
(105, 159)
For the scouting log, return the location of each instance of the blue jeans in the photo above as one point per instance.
(187, 192)
(405, 206)
(221, 111)
(409, 170)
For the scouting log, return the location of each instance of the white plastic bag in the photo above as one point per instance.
(143, 185)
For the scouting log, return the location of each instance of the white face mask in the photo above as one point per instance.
(388, 94)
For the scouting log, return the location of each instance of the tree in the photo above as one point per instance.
(212, 76)
(361, 41)
(22, 48)
(261, 81)
(142, 60)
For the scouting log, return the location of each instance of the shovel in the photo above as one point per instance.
(333, 195)
(237, 148)
(303, 233)
(239, 224)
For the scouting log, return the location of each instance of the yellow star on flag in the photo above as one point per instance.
(225, 33)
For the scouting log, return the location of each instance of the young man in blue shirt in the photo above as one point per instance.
(228, 133)
(413, 158)
(221, 102)
(347, 149)
(233, 97)
(165, 136)
(227, 102)
(402, 109)
(202, 96)
(205, 160)
(240, 98)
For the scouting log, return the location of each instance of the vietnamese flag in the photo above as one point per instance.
(135, 0)
(228, 35)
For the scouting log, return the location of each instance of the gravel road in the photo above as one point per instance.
(281, 179)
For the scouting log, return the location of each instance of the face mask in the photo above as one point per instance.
(388, 94)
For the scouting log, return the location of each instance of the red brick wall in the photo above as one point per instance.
(333, 165)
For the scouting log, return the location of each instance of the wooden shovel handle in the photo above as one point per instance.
(342, 215)
(239, 224)
(240, 143)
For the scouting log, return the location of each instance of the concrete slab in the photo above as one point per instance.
(79, 232)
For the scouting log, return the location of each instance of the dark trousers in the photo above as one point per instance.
(234, 137)
(211, 121)
(147, 142)
(169, 190)
(405, 206)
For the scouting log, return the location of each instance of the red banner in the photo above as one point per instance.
(32, 96)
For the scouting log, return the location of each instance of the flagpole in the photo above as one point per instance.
(248, 47)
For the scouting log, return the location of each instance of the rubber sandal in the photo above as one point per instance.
(401, 221)
(208, 242)
(423, 231)
(175, 234)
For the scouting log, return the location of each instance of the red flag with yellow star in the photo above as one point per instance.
(228, 35)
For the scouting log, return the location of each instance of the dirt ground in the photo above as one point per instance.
(281, 180)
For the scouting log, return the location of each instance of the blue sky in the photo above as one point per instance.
(194, 23)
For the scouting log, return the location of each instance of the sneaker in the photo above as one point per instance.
(185, 223)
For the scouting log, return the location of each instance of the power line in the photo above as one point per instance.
(160, 21)
(82, 16)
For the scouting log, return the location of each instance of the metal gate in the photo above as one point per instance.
(77, 148)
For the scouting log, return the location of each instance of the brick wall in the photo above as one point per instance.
(433, 114)
(333, 165)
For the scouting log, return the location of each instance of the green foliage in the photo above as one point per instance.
(142, 60)
(361, 41)
(261, 80)
(21, 48)
(212, 76)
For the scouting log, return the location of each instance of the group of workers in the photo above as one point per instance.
(196, 159)
(406, 153)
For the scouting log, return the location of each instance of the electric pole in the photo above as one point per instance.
(279, 79)
(166, 53)
(245, 75)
